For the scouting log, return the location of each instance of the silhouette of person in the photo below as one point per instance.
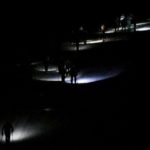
(77, 36)
(103, 31)
(73, 74)
(62, 70)
(129, 20)
(68, 65)
(123, 22)
(77, 41)
(82, 34)
(134, 22)
(46, 63)
(7, 130)
(117, 24)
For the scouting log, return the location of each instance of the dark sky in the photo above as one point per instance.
(27, 17)
(24, 25)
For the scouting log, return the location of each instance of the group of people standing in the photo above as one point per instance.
(68, 68)
(125, 22)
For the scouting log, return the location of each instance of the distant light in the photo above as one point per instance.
(35, 63)
(122, 17)
(94, 41)
(143, 29)
(94, 79)
(90, 42)
(47, 109)
(88, 80)
(42, 69)
(50, 68)
(44, 78)
(82, 47)
(81, 43)
(110, 31)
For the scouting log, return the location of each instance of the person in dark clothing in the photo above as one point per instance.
(134, 23)
(123, 22)
(7, 130)
(103, 31)
(82, 35)
(46, 63)
(77, 37)
(73, 74)
(62, 70)
(117, 24)
(68, 65)
(77, 41)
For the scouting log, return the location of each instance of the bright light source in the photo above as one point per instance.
(20, 134)
(94, 41)
(143, 29)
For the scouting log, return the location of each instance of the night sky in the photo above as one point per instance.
(28, 19)
(36, 26)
